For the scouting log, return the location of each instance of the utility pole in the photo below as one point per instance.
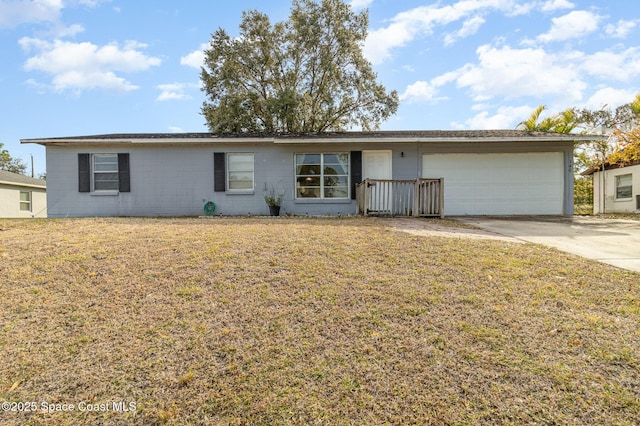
(31, 165)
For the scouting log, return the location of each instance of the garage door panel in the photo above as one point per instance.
(531, 183)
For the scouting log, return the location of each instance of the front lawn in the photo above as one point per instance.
(307, 321)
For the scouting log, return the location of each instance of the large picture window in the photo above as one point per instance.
(240, 171)
(623, 186)
(323, 175)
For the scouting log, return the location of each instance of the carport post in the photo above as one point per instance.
(441, 198)
(604, 186)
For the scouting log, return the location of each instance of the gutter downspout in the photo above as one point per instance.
(604, 175)
(604, 189)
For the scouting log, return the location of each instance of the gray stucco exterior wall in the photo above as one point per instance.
(178, 179)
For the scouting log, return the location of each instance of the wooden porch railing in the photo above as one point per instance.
(416, 197)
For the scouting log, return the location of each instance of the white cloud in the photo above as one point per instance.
(61, 31)
(423, 91)
(80, 66)
(621, 29)
(610, 98)
(174, 91)
(90, 3)
(360, 4)
(469, 27)
(420, 91)
(14, 13)
(553, 5)
(506, 117)
(623, 66)
(575, 24)
(77, 81)
(421, 21)
(507, 73)
(195, 59)
(521, 9)
(175, 129)
(521, 72)
(38, 87)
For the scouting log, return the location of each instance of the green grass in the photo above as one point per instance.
(309, 321)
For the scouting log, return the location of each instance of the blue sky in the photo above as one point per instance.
(79, 67)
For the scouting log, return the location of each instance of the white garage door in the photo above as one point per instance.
(499, 184)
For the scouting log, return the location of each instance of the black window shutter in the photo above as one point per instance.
(219, 172)
(84, 173)
(356, 171)
(124, 178)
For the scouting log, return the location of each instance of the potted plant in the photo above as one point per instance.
(273, 200)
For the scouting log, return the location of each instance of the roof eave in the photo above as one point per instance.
(608, 166)
(434, 140)
(306, 140)
(27, 185)
(146, 141)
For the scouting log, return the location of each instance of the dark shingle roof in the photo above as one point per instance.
(319, 137)
(609, 166)
(20, 180)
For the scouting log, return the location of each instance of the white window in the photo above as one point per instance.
(105, 172)
(323, 175)
(25, 201)
(240, 171)
(623, 186)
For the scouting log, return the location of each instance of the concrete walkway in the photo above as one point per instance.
(612, 241)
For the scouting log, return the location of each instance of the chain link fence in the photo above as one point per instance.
(583, 195)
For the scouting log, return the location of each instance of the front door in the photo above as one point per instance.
(376, 164)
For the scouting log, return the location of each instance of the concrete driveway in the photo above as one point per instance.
(612, 241)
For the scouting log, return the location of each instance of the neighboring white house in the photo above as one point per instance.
(621, 183)
(486, 172)
(22, 196)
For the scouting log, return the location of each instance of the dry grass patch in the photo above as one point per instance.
(321, 321)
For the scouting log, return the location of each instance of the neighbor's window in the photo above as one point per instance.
(239, 171)
(105, 172)
(623, 186)
(322, 175)
(25, 201)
